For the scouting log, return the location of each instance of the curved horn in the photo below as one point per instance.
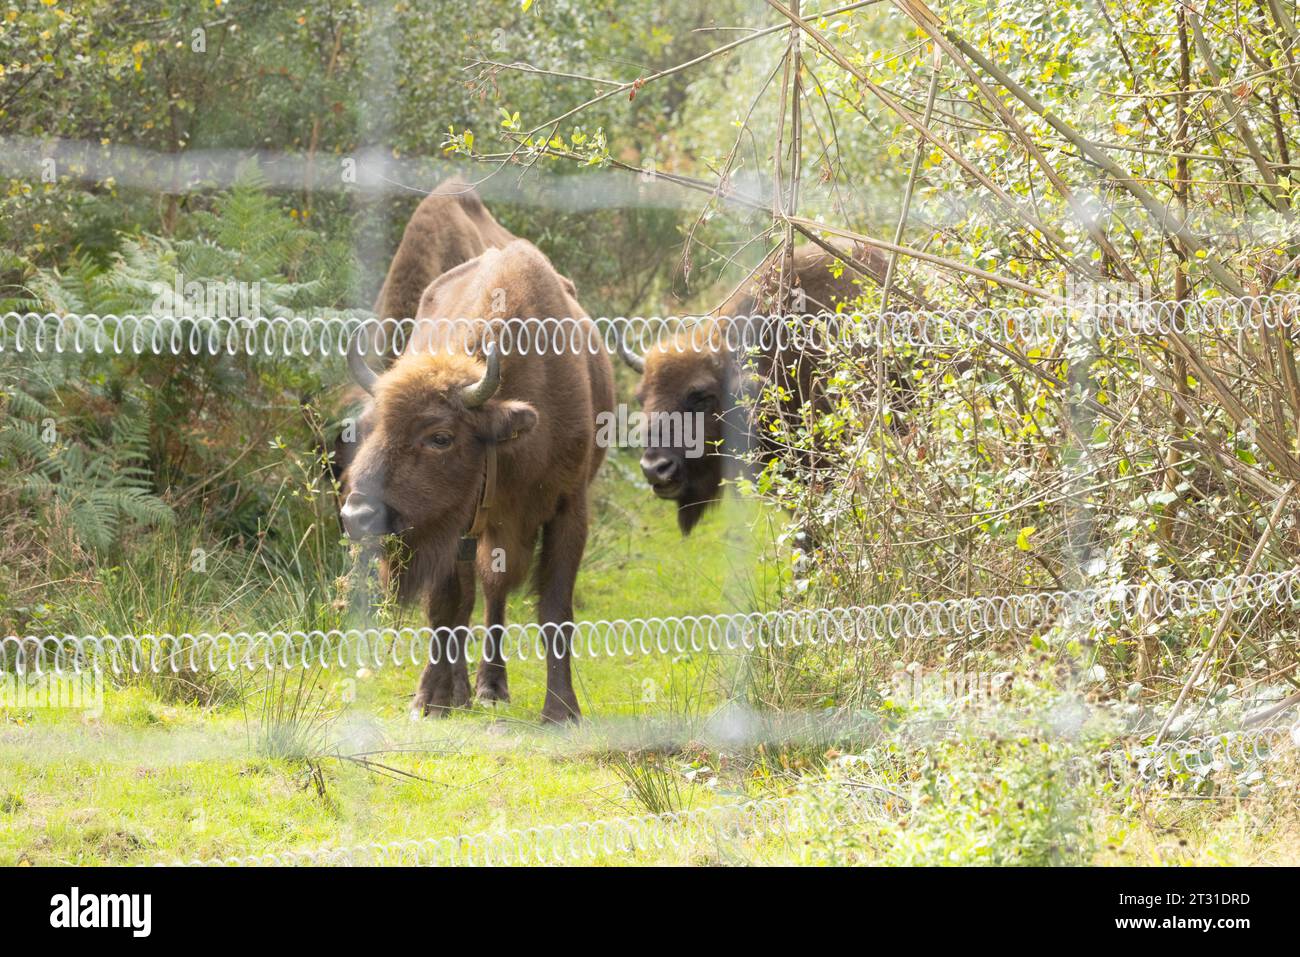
(631, 358)
(366, 377)
(475, 395)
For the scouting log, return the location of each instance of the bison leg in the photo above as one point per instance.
(444, 684)
(563, 541)
(491, 685)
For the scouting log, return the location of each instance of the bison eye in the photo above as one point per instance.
(438, 440)
(698, 400)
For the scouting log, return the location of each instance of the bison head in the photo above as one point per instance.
(419, 466)
(689, 379)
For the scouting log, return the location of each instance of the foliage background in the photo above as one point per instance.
(1142, 459)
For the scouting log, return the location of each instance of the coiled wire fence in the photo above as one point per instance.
(686, 635)
(325, 336)
(1238, 751)
(574, 842)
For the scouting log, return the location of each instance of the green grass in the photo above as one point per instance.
(203, 766)
(163, 773)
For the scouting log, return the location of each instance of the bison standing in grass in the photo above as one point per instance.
(698, 374)
(470, 458)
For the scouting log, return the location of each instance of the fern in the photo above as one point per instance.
(15, 401)
(94, 488)
(20, 440)
(246, 237)
(169, 416)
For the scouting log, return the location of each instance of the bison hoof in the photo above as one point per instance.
(494, 693)
(490, 685)
(560, 714)
(424, 707)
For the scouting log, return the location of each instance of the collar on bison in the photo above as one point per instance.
(467, 548)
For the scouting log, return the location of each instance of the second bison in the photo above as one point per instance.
(700, 374)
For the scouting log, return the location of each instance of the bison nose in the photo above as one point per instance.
(659, 469)
(363, 517)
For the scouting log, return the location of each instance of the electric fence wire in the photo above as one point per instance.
(325, 336)
(571, 842)
(951, 618)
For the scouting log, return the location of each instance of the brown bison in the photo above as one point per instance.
(497, 448)
(450, 226)
(697, 373)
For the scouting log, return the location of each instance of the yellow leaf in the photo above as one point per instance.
(1022, 540)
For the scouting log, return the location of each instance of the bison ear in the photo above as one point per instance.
(510, 419)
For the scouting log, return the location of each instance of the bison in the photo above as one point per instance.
(449, 227)
(697, 373)
(469, 459)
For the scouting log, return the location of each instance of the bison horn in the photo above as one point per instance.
(631, 358)
(366, 377)
(475, 395)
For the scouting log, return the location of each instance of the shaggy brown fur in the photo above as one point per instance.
(450, 226)
(684, 378)
(420, 468)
